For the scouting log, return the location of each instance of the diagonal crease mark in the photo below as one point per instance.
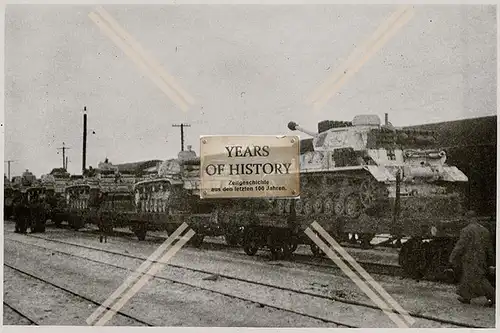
(125, 291)
(145, 279)
(147, 57)
(381, 36)
(355, 278)
(362, 272)
(135, 52)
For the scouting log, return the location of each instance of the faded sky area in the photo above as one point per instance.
(249, 69)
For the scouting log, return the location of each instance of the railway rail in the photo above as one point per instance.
(66, 290)
(370, 267)
(434, 320)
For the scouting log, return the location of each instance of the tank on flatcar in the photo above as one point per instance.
(32, 208)
(78, 196)
(166, 200)
(367, 178)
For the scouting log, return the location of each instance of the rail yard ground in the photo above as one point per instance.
(61, 277)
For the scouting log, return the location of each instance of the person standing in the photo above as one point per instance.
(472, 256)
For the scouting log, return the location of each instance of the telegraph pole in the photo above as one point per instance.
(8, 167)
(64, 148)
(84, 151)
(182, 133)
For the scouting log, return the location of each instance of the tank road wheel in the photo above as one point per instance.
(328, 206)
(368, 191)
(352, 206)
(318, 206)
(338, 205)
(299, 206)
(308, 207)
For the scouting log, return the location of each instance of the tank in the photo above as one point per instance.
(364, 177)
(172, 195)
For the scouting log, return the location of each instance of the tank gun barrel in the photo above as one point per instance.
(293, 126)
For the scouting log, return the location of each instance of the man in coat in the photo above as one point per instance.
(473, 256)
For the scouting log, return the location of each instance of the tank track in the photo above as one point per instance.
(326, 194)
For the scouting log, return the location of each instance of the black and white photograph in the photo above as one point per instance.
(250, 165)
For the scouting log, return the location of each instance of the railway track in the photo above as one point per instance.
(66, 290)
(370, 267)
(19, 313)
(434, 320)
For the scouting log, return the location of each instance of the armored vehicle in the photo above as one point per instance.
(365, 178)
(166, 200)
(32, 208)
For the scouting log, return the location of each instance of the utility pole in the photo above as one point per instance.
(84, 151)
(182, 133)
(8, 167)
(64, 148)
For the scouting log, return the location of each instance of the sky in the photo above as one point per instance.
(249, 69)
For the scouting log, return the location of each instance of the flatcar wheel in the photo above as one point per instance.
(231, 239)
(23, 227)
(289, 247)
(277, 251)
(366, 239)
(338, 205)
(316, 251)
(251, 248)
(197, 240)
(140, 233)
(40, 226)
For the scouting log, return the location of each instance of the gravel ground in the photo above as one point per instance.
(423, 298)
(48, 305)
(160, 302)
(10, 317)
